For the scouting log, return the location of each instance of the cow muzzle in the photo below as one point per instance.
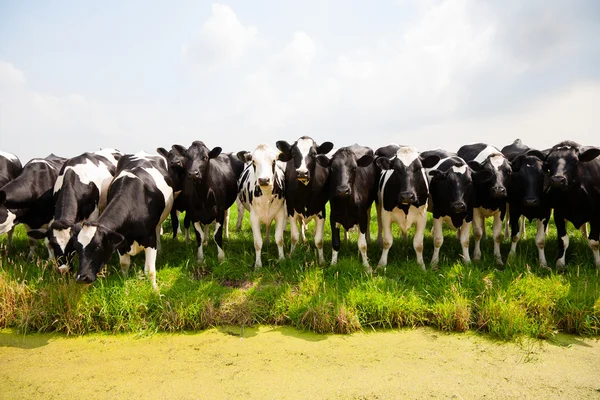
(85, 278)
(407, 198)
(343, 191)
(459, 207)
(195, 175)
(303, 176)
(531, 202)
(498, 192)
(264, 182)
(558, 181)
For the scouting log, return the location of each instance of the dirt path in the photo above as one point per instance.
(284, 363)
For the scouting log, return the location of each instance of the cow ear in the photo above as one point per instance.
(285, 157)
(430, 161)
(284, 147)
(37, 234)
(113, 239)
(179, 150)
(482, 176)
(163, 152)
(589, 154)
(435, 174)
(474, 165)
(365, 161)
(383, 163)
(325, 148)
(244, 156)
(214, 153)
(536, 153)
(323, 161)
(516, 163)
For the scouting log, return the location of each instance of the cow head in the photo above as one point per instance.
(528, 177)
(501, 172)
(197, 159)
(562, 163)
(342, 166)
(302, 155)
(264, 164)
(94, 244)
(406, 174)
(59, 240)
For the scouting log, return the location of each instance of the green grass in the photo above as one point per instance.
(520, 300)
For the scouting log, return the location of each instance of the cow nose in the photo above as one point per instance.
(264, 181)
(343, 191)
(559, 181)
(407, 197)
(302, 174)
(459, 207)
(499, 191)
(84, 278)
(194, 174)
(531, 202)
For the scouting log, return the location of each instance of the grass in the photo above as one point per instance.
(520, 300)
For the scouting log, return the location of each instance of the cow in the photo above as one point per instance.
(79, 194)
(352, 191)
(261, 189)
(452, 198)
(177, 166)
(490, 195)
(139, 199)
(10, 168)
(306, 188)
(573, 182)
(27, 199)
(526, 197)
(209, 189)
(403, 192)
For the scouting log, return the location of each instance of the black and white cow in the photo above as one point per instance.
(352, 191)
(27, 199)
(261, 189)
(80, 193)
(209, 190)
(452, 198)
(10, 168)
(306, 187)
(526, 197)
(490, 195)
(177, 167)
(140, 198)
(573, 178)
(403, 191)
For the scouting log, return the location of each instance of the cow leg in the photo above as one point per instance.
(186, 224)
(378, 210)
(335, 240)
(562, 239)
(497, 232)
(258, 242)
(540, 241)
(175, 222)
(319, 227)
(150, 265)
(483, 231)
(199, 243)
(240, 214)
(226, 223)
(345, 235)
(302, 230)
(515, 234)
(32, 244)
(465, 231)
(205, 236)
(386, 226)
(125, 262)
(522, 228)
(418, 239)
(507, 221)
(268, 233)
(279, 228)
(584, 230)
(594, 243)
(368, 227)
(477, 234)
(9, 236)
(438, 240)
(218, 236)
(294, 234)
(363, 231)
(158, 238)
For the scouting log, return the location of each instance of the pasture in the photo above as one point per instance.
(521, 299)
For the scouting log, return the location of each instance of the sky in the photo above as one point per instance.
(77, 76)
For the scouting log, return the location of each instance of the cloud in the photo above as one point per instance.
(221, 39)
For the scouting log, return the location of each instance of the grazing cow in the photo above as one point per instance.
(352, 191)
(79, 194)
(403, 191)
(452, 195)
(140, 198)
(526, 197)
(490, 195)
(306, 190)
(27, 199)
(573, 177)
(10, 168)
(261, 189)
(209, 190)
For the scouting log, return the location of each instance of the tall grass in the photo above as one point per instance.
(521, 299)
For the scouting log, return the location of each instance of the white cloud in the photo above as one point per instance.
(222, 38)
(295, 59)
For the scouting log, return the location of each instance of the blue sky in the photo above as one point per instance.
(77, 76)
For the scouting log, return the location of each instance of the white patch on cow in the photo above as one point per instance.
(385, 175)
(407, 154)
(108, 154)
(124, 174)
(135, 248)
(64, 268)
(487, 152)
(304, 146)
(9, 222)
(141, 155)
(160, 182)
(459, 169)
(263, 158)
(62, 237)
(497, 160)
(86, 235)
(87, 173)
(9, 156)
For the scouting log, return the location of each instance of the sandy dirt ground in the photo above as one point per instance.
(275, 362)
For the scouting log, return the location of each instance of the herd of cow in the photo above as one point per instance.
(101, 202)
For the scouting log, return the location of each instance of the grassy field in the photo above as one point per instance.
(522, 299)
